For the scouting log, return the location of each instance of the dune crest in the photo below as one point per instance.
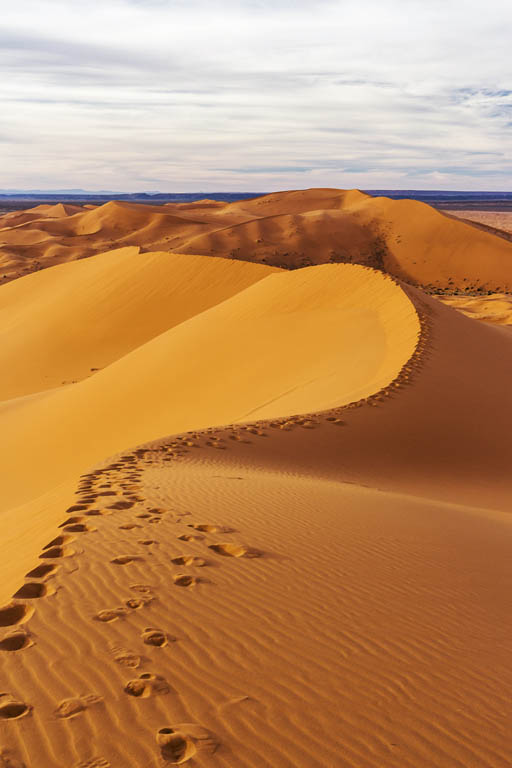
(292, 342)
(293, 229)
(74, 319)
(313, 568)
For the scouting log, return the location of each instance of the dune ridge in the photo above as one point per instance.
(61, 325)
(292, 341)
(312, 568)
(293, 229)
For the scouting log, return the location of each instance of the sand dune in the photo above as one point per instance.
(407, 239)
(292, 342)
(62, 324)
(230, 585)
(313, 569)
(59, 210)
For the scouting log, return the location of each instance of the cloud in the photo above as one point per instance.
(237, 93)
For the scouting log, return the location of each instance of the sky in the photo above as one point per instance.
(256, 95)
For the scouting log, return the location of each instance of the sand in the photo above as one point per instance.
(494, 308)
(78, 318)
(269, 522)
(294, 229)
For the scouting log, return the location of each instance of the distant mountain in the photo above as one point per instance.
(451, 199)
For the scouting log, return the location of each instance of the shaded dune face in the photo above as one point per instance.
(406, 238)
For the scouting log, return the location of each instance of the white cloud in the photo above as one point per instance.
(255, 95)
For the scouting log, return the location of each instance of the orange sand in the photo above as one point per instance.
(496, 308)
(408, 239)
(313, 569)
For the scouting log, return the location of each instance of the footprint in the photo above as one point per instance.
(15, 613)
(129, 526)
(181, 742)
(125, 559)
(183, 580)
(204, 527)
(198, 562)
(94, 762)
(59, 541)
(143, 516)
(40, 571)
(72, 521)
(122, 505)
(75, 508)
(110, 614)
(135, 603)
(143, 588)
(189, 537)
(57, 552)
(147, 685)
(147, 542)
(234, 550)
(32, 590)
(127, 659)
(175, 746)
(155, 520)
(15, 641)
(11, 709)
(80, 528)
(71, 707)
(155, 637)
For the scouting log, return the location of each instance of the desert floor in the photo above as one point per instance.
(255, 499)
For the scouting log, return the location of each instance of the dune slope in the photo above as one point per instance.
(61, 324)
(292, 342)
(408, 239)
(351, 627)
(314, 568)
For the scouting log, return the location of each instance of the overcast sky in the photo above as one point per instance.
(256, 95)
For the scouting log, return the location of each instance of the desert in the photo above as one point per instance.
(256, 484)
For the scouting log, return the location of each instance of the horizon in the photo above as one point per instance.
(219, 191)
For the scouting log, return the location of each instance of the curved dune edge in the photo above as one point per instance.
(62, 324)
(385, 594)
(292, 342)
(57, 452)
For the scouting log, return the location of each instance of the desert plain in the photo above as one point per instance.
(256, 486)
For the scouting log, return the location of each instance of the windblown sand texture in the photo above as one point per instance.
(254, 516)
